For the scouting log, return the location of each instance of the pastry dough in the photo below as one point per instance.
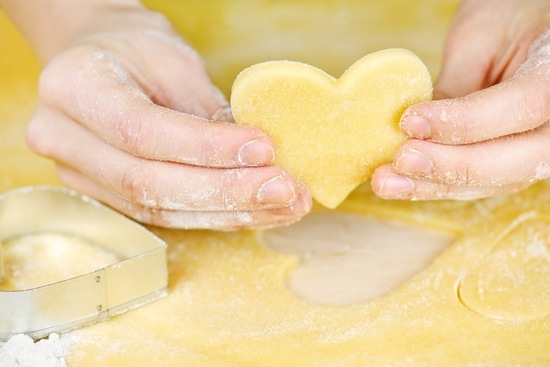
(331, 134)
(512, 281)
(229, 304)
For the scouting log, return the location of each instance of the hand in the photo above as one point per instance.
(131, 118)
(489, 132)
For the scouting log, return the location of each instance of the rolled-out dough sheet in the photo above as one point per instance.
(229, 304)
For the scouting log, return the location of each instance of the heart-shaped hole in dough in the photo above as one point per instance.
(349, 259)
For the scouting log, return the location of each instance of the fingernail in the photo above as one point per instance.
(299, 207)
(414, 162)
(276, 191)
(257, 152)
(395, 186)
(415, 126)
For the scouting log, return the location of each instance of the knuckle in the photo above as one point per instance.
(135, 188)
(228, 193)
(464, 175)
(57, 76)
(152, 216)
(210, 154)
(86, 64)
(213, 148)
(536, 103)
(131, 134)
(36, 139)
(50, 86)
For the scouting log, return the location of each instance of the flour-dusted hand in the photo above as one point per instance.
(489, 132)
(131, 117)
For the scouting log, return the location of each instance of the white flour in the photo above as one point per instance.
(21, 351)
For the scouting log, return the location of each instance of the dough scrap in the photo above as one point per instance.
(512, 282)
(332, 133)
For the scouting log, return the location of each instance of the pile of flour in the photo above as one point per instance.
(21, 351)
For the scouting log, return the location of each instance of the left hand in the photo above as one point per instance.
(489, 131)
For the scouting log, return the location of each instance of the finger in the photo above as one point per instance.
(170, 73)
(387, 183)
(513, 106)
(164, 185)
(218, 220)
(505, 161)
(475, 59)
(175, 76)
(92, 88)
(516, 105)
(460, 74)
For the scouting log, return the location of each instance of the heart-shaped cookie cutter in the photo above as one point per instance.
(141, 275)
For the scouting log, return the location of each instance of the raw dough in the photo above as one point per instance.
(228, 302)
(330, 133)
(512, 282)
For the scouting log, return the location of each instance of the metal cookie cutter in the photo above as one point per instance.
(139, 277)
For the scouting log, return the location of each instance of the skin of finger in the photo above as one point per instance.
(216, 220)
(516, 159)
(461, 41)
(468, 68)
(476, 56)
(170, 73)
(385, 184)
(156, 184)
(516, 105)
(114, 108)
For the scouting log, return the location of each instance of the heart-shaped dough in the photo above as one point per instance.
(332, 133)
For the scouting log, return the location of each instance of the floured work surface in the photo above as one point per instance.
(481, 301)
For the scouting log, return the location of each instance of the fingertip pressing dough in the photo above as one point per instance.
(332, 133)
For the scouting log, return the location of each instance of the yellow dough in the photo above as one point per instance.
(332, 133)
(229, 304)
(483, 301)
(512, 281)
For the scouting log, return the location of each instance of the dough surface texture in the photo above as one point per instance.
(332, 133)
(482, 302)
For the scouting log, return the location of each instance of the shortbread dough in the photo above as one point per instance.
(229, 304)
(332, 133)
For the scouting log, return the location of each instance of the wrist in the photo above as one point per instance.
(55, 25)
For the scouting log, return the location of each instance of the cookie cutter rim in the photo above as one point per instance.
(139, 277)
